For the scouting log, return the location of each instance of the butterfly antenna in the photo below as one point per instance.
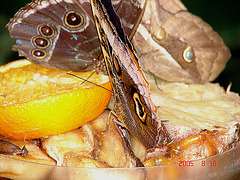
(85, 80)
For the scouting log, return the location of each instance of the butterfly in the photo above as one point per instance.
(175, 45)
(61, 33)
(134, 108)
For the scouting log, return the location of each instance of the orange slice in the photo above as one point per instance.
(37, 101)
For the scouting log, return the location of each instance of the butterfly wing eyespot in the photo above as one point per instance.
(139, 108)
(159, 34)
(46, 30)
(39, 53)
(41, 42)
(188, 54)
(73, 19)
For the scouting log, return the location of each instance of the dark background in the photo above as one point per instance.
(222, 15)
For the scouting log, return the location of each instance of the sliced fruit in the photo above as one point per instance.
(37, 101)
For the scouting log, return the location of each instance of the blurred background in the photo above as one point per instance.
(222, 15)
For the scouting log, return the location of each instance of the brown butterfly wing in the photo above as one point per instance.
(130, 13)
(175, 45)
(63, 50)
(61, 33)
(133, 104)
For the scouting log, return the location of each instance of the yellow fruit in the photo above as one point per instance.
(37, 101)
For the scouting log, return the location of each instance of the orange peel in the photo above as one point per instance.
(37, 101)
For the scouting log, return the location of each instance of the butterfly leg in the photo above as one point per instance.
(155, 79)
(108, 120)
(136, 162)
(100, 66)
